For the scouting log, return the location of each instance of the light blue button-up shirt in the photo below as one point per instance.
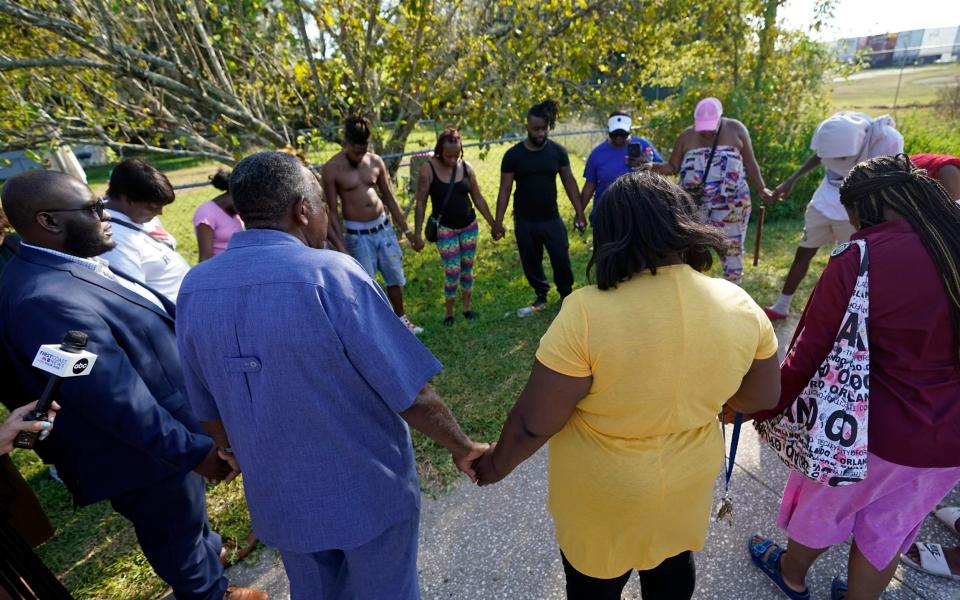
(298, 352)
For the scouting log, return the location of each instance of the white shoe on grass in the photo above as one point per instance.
(411, 327)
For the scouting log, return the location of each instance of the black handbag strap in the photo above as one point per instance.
(453, 182)
(713, 151)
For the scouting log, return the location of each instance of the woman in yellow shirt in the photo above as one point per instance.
(627, 385)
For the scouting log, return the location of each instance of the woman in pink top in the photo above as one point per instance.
(216, 220)
(912, 231)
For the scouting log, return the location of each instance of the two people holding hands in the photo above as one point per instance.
(634, 452)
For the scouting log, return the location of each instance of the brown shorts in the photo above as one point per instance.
(819, 231)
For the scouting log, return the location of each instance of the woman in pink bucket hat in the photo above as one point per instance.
(721, 189)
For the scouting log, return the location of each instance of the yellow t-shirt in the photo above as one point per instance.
(632, 473)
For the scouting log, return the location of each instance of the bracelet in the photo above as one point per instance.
(407, 231)
(227, 450)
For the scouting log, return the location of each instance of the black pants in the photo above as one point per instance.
(170, 518)
(673, 579)
(532, 238)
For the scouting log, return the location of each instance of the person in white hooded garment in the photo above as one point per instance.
(839, 143)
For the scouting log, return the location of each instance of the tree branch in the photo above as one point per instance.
(7, 64)
(212, 59)
(311, 60)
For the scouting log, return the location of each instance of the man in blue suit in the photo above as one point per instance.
(126, 432)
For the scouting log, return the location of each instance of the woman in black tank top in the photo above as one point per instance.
(451, 184)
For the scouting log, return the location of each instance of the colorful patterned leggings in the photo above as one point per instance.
(731, 218)
(457, 248)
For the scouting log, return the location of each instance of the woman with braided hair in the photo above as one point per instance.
(912, 232)
(453, 189)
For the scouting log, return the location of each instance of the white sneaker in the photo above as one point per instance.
(411, 327)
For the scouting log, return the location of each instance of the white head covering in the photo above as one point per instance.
(856, 136)
(843, 141)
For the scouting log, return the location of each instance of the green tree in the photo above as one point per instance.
(216, 79)
(195, 77)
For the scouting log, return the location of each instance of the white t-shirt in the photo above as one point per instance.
(826, 198)
(878, 137)
(145, 258)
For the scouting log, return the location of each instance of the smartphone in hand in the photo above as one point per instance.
(637, 158)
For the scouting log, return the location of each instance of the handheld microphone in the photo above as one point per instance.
(67, 359)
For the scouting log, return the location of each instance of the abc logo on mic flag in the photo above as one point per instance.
(53, 360)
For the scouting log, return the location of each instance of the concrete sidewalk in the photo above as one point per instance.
(497, 542)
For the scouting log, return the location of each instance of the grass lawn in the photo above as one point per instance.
(922, 123)
(877, 88)
(486, 364)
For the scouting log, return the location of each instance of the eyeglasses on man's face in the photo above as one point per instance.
(94, 208)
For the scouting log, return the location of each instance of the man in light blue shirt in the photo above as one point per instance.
(296, 363)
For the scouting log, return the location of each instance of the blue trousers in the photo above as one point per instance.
(170, 518)
(384, 568)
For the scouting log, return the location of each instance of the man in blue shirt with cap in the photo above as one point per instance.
(610, 159)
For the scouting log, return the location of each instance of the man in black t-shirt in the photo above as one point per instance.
(534, 164)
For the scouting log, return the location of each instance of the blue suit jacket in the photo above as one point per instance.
(125, 425)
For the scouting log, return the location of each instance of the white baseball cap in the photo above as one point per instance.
(619, 123)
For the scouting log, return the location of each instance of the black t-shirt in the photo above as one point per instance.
(458, 210)
(535, 174)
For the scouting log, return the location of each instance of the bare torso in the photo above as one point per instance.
(731, 134)
(357, 186)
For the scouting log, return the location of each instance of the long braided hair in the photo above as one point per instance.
(894, 182)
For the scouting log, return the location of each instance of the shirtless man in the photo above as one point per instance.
(360, 180)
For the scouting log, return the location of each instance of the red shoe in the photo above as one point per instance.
(773, 315)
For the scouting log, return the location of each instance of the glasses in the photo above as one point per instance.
(95, 209)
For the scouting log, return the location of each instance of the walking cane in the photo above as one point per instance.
(756, 245)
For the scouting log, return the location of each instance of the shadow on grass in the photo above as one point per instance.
(486, 364)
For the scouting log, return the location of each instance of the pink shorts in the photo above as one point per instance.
(883, 512)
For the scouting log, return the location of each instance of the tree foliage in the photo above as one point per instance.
(219, 78)
(198, 77)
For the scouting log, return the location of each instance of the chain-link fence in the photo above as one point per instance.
(483, 155)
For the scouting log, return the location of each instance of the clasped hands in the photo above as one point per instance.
(478, 465)
(497, 231)
(779, 194)
(218, 466)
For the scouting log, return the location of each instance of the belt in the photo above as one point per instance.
(379, 227)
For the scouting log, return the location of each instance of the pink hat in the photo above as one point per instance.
(707, 115)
